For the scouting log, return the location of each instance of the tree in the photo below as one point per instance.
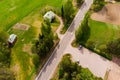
(68, 11)
(66, 63)
(69, 70)
(83, 31)
(62, 11)
(113, 47)
(79, 2)
(45, 41)
(3, 37)
(4, 55)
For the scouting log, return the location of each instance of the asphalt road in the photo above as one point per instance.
(50, 66)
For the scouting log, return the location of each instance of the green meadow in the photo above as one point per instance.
(101, 33)
(98, 34)
(11, 11)
(25, 12)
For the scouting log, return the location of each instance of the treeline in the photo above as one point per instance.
(67, 13)
(5, 59)
(69, 70)
(113, 47)
(98, 5)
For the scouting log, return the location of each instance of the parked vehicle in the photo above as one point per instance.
(80, 47)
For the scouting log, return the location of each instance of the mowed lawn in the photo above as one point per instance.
(11, 11)
(101, 33)
(26, 12)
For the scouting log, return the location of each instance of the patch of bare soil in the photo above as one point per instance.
(114, 73)
(116, 60)
(20, 26)
(27, 48)
(16, 69)
(110, 13)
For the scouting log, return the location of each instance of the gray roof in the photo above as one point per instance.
(12, 38)
(49, 15)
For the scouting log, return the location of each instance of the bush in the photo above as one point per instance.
(91, 44)
(36, 60)
(98, 5)
(113, 47)
(105, 55)
(73, 71)
(56, 36)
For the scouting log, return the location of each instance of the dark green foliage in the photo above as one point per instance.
(83, 32)
(36, 60)
(113, 47)
(4, 54)
(69, 70)
(62, 12)
(117, 0)
(98, 5)
(68, 11)
(45, 42)
(79, 2)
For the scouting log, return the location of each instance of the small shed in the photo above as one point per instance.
(12, 39)
(49, 15)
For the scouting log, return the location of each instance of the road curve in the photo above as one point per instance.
(49, 67)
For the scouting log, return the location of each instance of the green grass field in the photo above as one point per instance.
(101, 33)
(26, 12)
(97, 35)
(11, 11)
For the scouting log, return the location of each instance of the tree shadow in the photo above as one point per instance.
(116, 60)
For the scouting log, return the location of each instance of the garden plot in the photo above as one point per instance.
(21, 26)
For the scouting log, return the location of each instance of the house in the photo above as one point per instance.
(12, 39)
(49, 15)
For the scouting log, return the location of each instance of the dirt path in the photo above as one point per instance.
(60, 27)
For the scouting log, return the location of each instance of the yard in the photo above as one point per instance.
(29, 13)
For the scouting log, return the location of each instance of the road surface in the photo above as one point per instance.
(50, 66)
